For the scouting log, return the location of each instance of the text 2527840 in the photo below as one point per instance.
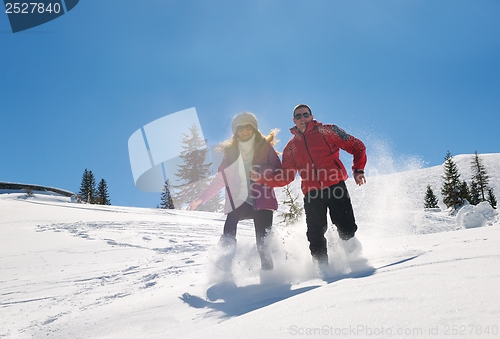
(32, 7)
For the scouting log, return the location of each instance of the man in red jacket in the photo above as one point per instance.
(314, 151)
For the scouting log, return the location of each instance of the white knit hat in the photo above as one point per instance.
(242, 119)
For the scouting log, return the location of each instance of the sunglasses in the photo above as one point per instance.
(299, 116)
(241, 128)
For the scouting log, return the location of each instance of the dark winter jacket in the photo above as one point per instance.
(315, 154)
(265, 161)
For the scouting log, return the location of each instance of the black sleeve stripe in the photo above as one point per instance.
(341, 133)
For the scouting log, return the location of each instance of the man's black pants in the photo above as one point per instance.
(336, 200)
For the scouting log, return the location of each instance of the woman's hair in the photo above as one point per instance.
(271, 138)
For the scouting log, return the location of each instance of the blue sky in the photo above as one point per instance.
(417, 77)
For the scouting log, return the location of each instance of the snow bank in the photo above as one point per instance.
(475, 216)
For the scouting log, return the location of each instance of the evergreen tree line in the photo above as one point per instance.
(457, 192)
(92, 193)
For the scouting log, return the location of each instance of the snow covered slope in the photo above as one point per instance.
(83, 271)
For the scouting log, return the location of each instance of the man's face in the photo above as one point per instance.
(302, 121)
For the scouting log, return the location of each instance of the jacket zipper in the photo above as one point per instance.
(312, 161)
(331, 152)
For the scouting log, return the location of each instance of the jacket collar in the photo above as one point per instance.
(310, 126)
(234, 151)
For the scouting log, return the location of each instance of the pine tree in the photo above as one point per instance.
(295, 210)
(166, 196)
(475, 195)
(491, 198)
(84, 186)
(92, 189)
(88, 187)
(479, 178)
(452, 185)
(194, 173)
(430, 200)
(102, 193)
(464, 192)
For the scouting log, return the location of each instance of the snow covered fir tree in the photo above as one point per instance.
(88, 187)
(464, 192)
(452, 186)
(295, 209)
(102, 193)
(166, 197)
(479, 179)
(474, 194)
(194, 173)
(491, 198)
(430, 200)
(90, 192)
(480, 190)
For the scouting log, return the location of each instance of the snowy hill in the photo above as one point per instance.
(71, 270)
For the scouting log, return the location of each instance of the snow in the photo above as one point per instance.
(475, 216)
(70, 270)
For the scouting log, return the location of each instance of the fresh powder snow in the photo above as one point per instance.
(70, 270)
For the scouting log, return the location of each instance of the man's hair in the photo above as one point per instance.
(300, 106)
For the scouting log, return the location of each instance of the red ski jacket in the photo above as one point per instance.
(315, 155)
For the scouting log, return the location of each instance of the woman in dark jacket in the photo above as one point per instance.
(248, 150)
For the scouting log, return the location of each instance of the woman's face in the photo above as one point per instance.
(245, 132)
